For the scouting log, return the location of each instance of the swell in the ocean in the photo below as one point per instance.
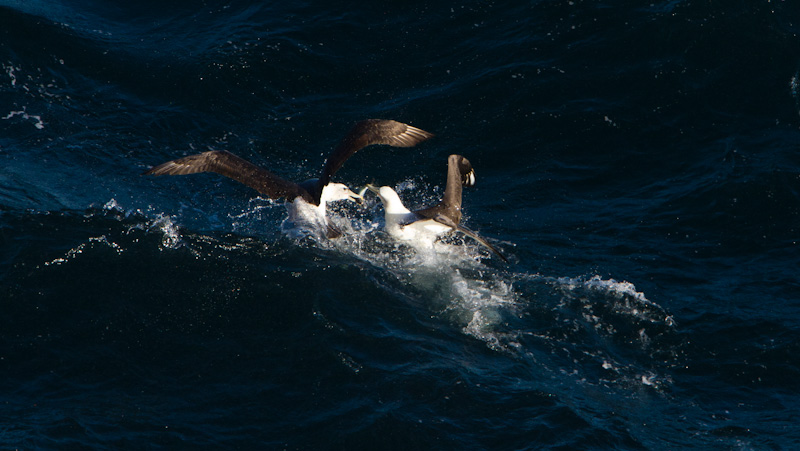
(637, 163)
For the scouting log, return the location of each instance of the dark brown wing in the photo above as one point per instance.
(231, 166)
(459, 173)
(442, 214)
(366, 133)
(478, 238)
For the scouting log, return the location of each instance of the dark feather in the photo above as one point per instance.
(236, 168)
(459, 173)
(369, 132)
(364, 133)
(448, 211)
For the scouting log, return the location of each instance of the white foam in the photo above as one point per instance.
(78, 250)
(627, 300)
(592, 317)
(450, 277)
(160, 223)
(171, 235)
(481, 301)
(38, 123)
(11, 72)
(112, 205)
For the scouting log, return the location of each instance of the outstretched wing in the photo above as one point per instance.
(236, 168)
(459, 173)
(366, 133)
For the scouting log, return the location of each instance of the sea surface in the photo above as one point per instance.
(638, 162)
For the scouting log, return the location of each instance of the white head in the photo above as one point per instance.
(391, 201)
(338, 191)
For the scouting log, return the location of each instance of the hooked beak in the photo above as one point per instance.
(357, 197)
(372, 188)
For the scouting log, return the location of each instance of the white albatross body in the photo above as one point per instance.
(306, 201)
(421, 228)
(305, 218)
(405, 225)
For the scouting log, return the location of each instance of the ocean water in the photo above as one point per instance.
(638, 162)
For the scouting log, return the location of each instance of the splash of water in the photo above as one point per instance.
(604, 320)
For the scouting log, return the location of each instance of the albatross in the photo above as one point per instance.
(306, 201)
(426, 225)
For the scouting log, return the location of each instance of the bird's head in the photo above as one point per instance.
(391, 201)
(339, 191)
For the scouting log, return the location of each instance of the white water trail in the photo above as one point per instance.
(590, 324)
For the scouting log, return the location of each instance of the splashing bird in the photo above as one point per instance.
(424, 226)
(306, 200)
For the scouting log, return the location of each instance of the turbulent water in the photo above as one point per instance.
(638, 163)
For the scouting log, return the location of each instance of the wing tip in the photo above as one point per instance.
(483, 242)
(413, 136)
(395, 133)
(168, 168)
(158, 170)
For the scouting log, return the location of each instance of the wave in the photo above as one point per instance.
(616, 329)
(530, 317)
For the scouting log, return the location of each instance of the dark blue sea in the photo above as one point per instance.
(638, 162)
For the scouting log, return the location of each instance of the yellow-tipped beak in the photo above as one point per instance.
(358, 198)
